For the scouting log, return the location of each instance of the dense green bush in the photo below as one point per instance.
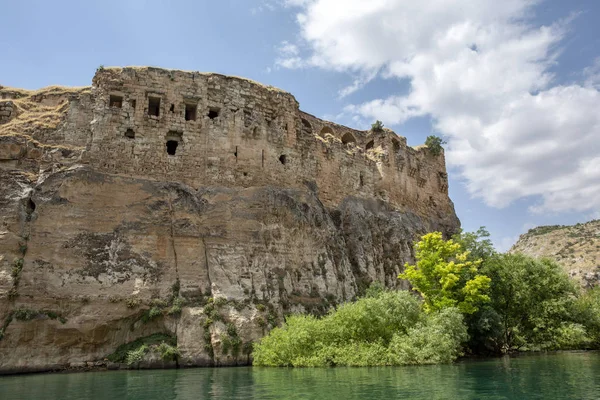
(168, 352)
(534, 305)
(134, 357)
(437, 339)
(377, 127)
(530, 304)
(122, 352)
(531, 301)
(434, 143)
(388, 328)
(587, 314)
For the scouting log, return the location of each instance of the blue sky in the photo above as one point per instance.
(512, 85)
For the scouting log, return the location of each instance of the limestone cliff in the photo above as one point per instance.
(200, 207)
(576, 248)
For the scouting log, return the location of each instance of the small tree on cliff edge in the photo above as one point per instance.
(445, 276)
(434, 143)
(377, 126)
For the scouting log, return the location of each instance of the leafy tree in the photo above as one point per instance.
(434, 143)
(445, 277)
(531, 300)
(377, 126)
(587, 309)
(478, 243)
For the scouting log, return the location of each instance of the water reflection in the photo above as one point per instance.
(558, 376)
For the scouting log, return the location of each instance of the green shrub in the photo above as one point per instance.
(137, 355)
(168, 352)
(434, 143)
(388, 328)
(220, 301)
(121, 353)
(132, 302)
(377, 126)
(231, 341)
(587, 314)
(572, 336)
(152, 314)
(437, 339)
(25, 314)
(176, 307)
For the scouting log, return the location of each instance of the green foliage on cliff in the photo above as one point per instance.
(121, 354)
(434, 143)
(377, 127)
(387, 328)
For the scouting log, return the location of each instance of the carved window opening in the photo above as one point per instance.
(395, 145)
(348, 138)
(173, 139)
(262, 158)
(172, 147)
(361, 180)
(213, 112)
(172, 109)
(326, 130)
(154, 106)
(190, 112)
(115, 101)
(283, 159)
(130, 134)
(236, 153)
(370, 145)
(306, 126)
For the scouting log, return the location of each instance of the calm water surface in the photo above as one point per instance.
(554, 376)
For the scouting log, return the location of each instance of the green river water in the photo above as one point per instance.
(553, 376)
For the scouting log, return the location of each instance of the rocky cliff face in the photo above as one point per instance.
(107, 240)
(576, 248)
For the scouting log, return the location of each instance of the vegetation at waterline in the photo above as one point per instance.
(472, 300)
(133, 353)
(383, 328)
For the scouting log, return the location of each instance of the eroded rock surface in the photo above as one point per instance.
(575, 247)
(206, 215)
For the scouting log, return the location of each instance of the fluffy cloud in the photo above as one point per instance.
(480, 69)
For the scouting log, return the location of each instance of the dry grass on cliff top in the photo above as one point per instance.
(37, 110)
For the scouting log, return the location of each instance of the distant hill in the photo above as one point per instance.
(576, 248)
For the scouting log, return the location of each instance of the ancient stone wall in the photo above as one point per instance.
(187, 204)
(210, 129)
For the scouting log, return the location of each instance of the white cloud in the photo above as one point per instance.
(358, 83)
(480, 69)
(592, 74)
(289, 56)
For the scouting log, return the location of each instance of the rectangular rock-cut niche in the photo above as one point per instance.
(190, 111)
(172, 141)
(115, 101)
(213, 112)
(153, 106)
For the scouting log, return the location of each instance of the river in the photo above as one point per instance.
(568, 375)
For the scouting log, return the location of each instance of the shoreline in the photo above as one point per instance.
(104, 366)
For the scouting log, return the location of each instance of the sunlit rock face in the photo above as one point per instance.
(198, 206)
